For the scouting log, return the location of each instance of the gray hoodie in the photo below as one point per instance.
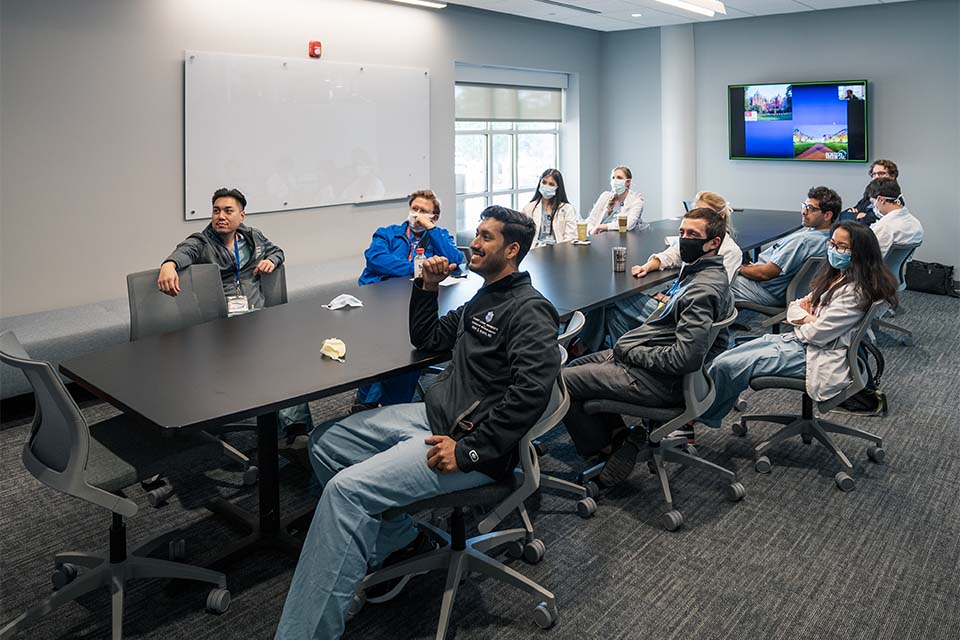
(673, 340)
(206, 247)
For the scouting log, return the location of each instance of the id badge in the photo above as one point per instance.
(237, 304)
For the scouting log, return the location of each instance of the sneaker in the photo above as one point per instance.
(620, 463)
(390, 589)
(297, 437)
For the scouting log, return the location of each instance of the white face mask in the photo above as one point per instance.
(618, 185)
(547, 191)
(415, 226)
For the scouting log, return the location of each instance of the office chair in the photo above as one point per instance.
(94, 464)
(807, 425)
(688, 205)
(698, 395)
(799, 286)
(896, 260)
(201, 299)
(462, 556)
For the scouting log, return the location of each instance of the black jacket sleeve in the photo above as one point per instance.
(271, 252)
(428, 331)
(534, 366)
(188, 252)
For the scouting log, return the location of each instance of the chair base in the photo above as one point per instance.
(907, 338)
(470, 557)
(809, 428)
(102, 572)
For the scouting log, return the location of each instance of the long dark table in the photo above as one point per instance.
(253, 365)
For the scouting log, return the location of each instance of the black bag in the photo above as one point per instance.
(870, 400)
(930, 277)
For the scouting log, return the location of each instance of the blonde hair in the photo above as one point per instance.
(426, 194)
(716, 202)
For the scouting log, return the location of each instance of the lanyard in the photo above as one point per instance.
(236, 253)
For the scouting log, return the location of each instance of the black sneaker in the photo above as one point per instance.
(390, 589)
(620, 463)
(297, 437)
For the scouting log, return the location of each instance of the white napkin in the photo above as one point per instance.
(343, 300)
(334, 348)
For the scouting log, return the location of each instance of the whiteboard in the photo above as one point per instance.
(293, 134)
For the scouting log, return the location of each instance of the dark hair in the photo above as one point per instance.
(884, 187)
(716, 223)
(867, 272)
(889, 165)
(558, 200)
(223, 192)
(517, 227)
(828, 198)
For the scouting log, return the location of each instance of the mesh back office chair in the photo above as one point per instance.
(462, 556)
(896, 260)
(688, 205)
(94, 464)
(799, 286)
(807, 425)
(201, 299)
(698, 395)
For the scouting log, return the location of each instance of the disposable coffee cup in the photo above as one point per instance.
(619, 259)
(622, 222)
(582, 230)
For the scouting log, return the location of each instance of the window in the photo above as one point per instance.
(505, 138)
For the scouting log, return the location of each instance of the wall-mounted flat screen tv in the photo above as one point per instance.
(815, 121)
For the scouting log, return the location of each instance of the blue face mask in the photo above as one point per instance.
(838, 260)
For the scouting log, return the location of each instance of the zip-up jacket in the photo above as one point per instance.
(673, 341)
(206, 247)
(502, 370)
(392, 249)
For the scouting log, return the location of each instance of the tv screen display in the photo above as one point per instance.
(810, 121)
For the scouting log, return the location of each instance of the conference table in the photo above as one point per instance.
(255, 364)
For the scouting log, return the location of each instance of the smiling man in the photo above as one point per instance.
(241, 253)
(765, 281)
(465, 433)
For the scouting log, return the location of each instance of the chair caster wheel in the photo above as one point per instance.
(908, 341)
(593, 489)
(844, 481)
(762, 464)
(177, 550)
(586, 507)
(739, 428)
(534, 551)
(218, 600)
(671, 520)
(545, 615)
(807, 438)
(152, 482)
(158, 497)
(251, 475)
(64, 574)
(514, 549)
(690, 449)
(359, 600)
(735, 492)
(540, 448)
(876, 453)
(652, 467)
(740, 405)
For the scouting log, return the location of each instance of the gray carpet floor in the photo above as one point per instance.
(796, 559)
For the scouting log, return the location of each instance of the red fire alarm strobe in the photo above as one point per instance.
(314, 49)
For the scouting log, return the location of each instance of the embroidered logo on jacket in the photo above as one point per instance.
(482, 327)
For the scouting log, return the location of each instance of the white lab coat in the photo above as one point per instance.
(564, 221)
(632, 205)
(897, 227)
(730, 251)
(828, 340)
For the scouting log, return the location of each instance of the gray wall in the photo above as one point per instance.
(92, 122)
(914, 117)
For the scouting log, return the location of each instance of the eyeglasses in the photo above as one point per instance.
(416, 209)
(879, 174)
(839, 248)
(809, 207)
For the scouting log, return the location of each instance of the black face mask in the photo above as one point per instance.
(691, 249)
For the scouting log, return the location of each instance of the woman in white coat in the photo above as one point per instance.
(851, 280)
(619, 200)
(552, 213)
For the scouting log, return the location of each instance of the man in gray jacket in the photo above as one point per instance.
(242, 253)
(647, 364)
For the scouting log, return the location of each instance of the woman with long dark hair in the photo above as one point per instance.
(852, 279)
(555, 217)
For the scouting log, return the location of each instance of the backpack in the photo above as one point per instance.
(870, 400)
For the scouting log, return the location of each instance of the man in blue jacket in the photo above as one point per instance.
(391, 255)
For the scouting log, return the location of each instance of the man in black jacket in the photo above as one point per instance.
(465, 434)
(647, 364)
